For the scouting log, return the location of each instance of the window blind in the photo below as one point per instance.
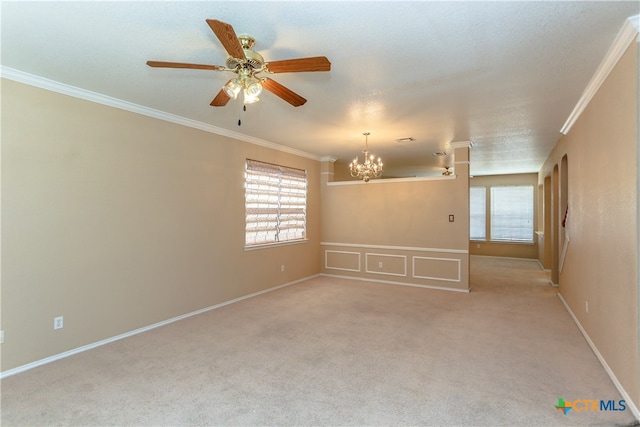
(512, 213)
(275, 203)
(478, 213)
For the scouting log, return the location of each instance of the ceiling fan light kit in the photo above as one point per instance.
(233, 88)
(251, 87)
(247, 64)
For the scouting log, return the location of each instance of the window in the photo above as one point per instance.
(512, 213)
(275, 203)
(478, 213)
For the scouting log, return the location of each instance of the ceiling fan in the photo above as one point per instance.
(248, 64)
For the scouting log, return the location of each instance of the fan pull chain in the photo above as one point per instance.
(244, 108)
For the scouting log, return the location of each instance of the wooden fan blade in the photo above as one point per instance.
(227, 37)
(163, 64)
(287, 94)
(221, 99)
(315, 63)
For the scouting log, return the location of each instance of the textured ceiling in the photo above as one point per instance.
(505, 75)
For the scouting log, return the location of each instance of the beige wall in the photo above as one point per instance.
(514, 250)
(399, 230)
(117, 221)
(341, 172)
(601, 261)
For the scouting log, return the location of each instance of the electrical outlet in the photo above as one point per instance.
(451, 218)
(282, 267)
(586, 306)
(58, 322)
(380, 264)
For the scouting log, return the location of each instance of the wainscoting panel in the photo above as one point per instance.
(447, 269)
(392, 265)
(439, 268)
(342, 260)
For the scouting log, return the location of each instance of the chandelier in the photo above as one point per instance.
(369, 168)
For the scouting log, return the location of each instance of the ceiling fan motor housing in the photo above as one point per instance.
(253, 60)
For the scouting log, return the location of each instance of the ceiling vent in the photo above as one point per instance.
(440, 153)
(407, 139)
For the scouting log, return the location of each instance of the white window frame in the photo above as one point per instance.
(275, 204)
(516, 210)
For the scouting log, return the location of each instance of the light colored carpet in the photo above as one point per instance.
(338, 352)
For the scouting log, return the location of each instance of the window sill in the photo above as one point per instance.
(271, 245)
(511, 242)
(508, 242)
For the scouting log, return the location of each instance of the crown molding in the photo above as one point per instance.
(625, 37)
(328, 159)
(635, 21)
(87, 95)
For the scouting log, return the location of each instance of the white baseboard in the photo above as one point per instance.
(630, 404)
(504, 257)
(59, 356)
(391, 282)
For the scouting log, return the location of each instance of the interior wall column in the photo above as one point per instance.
(462, 166)
(461, 159)
(555, 225)
(548, 234)
(327, 166)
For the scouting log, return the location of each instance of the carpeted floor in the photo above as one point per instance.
(338, 352)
